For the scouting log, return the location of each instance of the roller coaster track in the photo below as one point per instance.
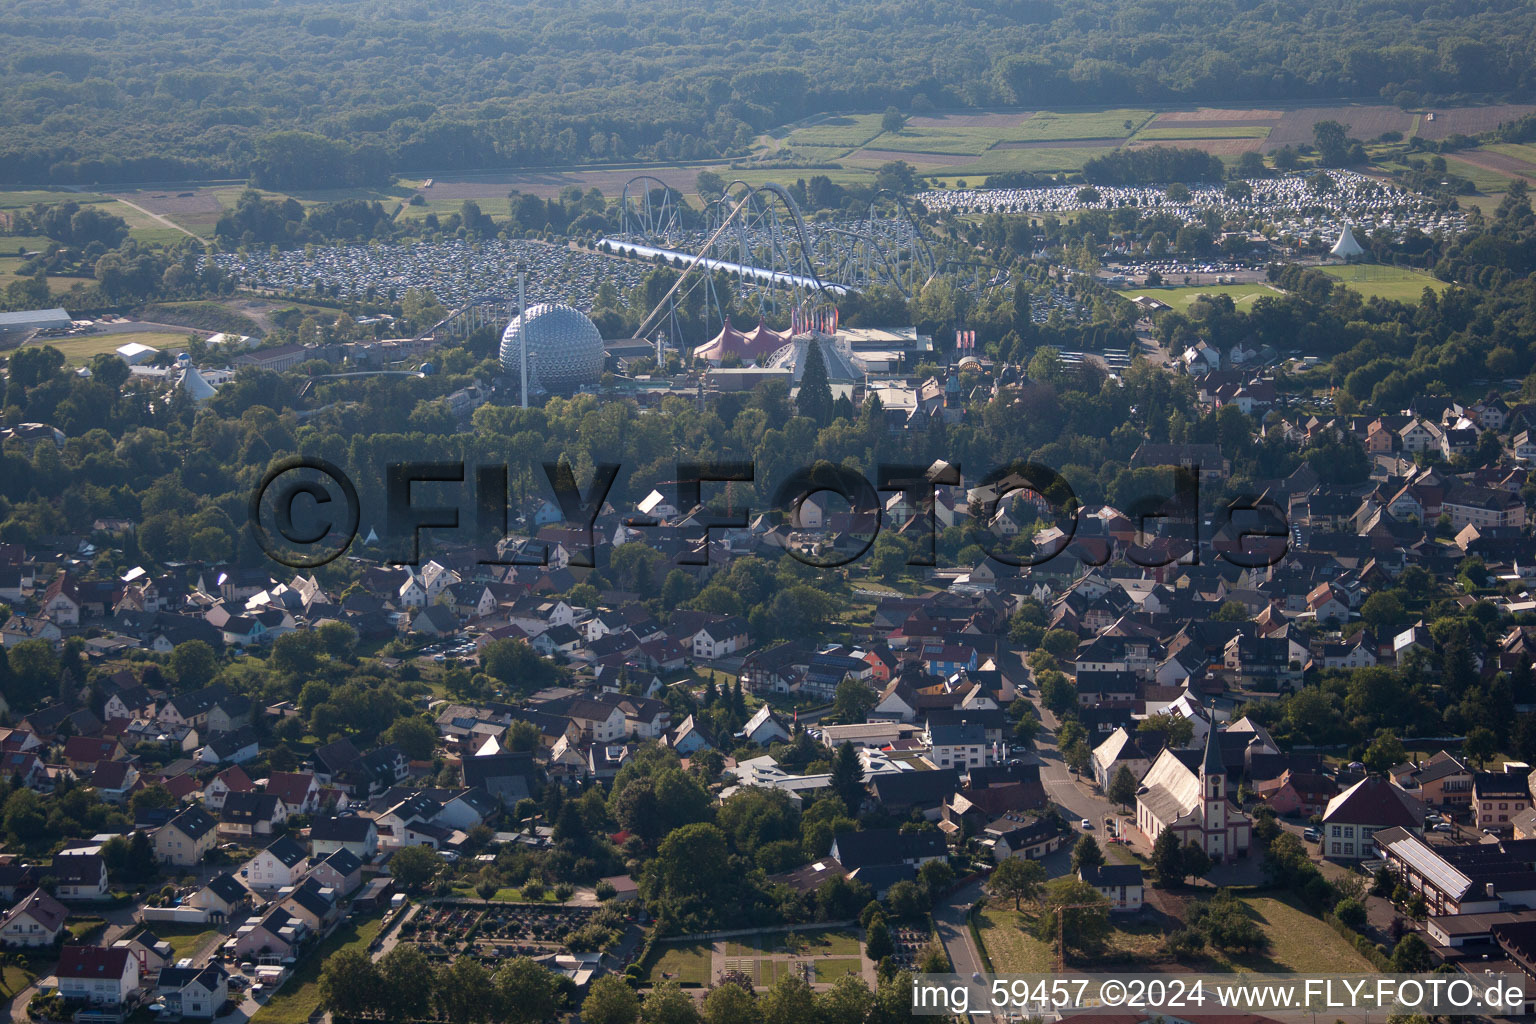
(732, 219)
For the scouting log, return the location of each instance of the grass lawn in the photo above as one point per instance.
(1243, 295)
(13, 979)
(82, 928)
(746, 945)
(185, 939)
(831, 970)
(79, 350)
(1011, 949)
(507, 894)
(686, 965)
(837, 943)
(1298, 942)
(299, 997)
(766, 972)
(1400, 283)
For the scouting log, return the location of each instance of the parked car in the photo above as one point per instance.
(1442, 826)
(1312, 835)
(1087, 824)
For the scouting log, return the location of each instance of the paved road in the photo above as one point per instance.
(951, 922)
(1074, 795)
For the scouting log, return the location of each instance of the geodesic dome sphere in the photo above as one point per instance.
(565, 350)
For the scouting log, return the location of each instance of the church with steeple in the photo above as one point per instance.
(1186, 791)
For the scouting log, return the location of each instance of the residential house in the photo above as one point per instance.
(184, 839)
(1352, 819)
(37, 920)
(231, 780)
(1024, 835)
(353, 833)
(882, 857)
(222, 897)
(273, 936)
(765, 728)
(720, 638)
(1499, 796)
(1443, 781)
(196, 992)
(84, 753)
(314, 904)
(960, 746)
(1122, 749)
(1120, 884)
(340, 871)
(113, 781)
(231, 747)
(298, 791)
(1302, 794)
(61, 601)
(249, 815)
(101, 976)
(81, 876)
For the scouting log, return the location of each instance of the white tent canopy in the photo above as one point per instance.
(1346, 245)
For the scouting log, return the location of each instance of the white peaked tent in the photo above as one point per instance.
(1346, 246)
(194, 384)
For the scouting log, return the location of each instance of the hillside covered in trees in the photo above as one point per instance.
(299, 94)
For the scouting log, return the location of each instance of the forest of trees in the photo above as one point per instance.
(296, 94)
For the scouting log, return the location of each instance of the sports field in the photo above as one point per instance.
(79, 350)
(1374, 280)
(1243, 295)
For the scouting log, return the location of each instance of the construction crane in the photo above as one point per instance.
(1061, 931)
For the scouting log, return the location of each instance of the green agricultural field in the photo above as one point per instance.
(1200, 131)
(1243, 295)
(787, 175)
(684, 964)
(1482, 178)
(1522, 151)
(10, 200)
(1377, 281)
(850, 131)
(1040, 161)
(1093, 124)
